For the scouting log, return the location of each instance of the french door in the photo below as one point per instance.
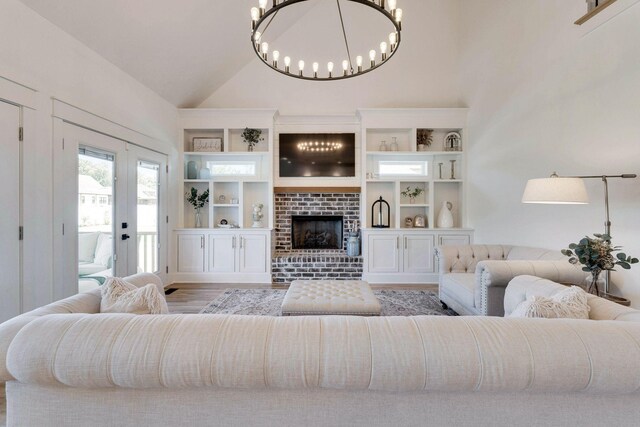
(10, 248)
(115, 219)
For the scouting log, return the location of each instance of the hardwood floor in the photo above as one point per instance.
(192, 297)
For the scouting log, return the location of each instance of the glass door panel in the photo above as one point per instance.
(148, 214)
(96, 172)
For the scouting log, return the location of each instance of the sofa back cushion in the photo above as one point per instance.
(464, 259)
(530, 254)
(118, 296)
(391, 354)
(104, 250)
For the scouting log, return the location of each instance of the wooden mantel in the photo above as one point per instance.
(316, 189)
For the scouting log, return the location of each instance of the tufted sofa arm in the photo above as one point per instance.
(492, 277)
(86, 302)
(463, 259)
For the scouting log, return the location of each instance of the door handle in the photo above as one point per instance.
(201, 242)
(405, 242)
(125, 237)
(241, 242)
(398, 242)
(233, 242)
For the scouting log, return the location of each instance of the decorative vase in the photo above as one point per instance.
(250, 147)
(592, 286)
(412, 200)
(198, 221)
(353, 245)
(192, 170)
(445, 218)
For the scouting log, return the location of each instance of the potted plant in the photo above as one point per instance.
(412, 194)
(596, 255)
(252, 137)
(424, 138)
(197, 201)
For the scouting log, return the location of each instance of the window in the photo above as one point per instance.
(233, 168)
(403, 168)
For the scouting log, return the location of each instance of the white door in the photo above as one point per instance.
(222, 253)
(191, 253)
(114, 209)
(146, 228)
(10, 281)
(253, 250)
(383, 250)
(418, 254)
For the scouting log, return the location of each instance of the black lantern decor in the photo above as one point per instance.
(377, 218)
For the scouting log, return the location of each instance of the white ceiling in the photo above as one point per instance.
(182, 50)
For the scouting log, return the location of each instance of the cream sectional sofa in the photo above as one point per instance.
(80, 368)
(473, 277)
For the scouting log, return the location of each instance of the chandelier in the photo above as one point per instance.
(261, 18)
(319, 147)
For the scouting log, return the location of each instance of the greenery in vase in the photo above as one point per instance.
(197, 200)
(252, 136)
(597, 255)
(412, 194)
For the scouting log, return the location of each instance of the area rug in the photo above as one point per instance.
(267, 302)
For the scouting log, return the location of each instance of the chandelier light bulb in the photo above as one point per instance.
(393, 39)
(263, 4)
(398, 16)
(345, 66)
(383, 50)
(276, 56)
(392, 5)
(316, 66)
(301, 67)
(255, 14)
(330, 68)
(256, 37)
(359, 63)
(265, 50)
(372, 57)
(287, 63)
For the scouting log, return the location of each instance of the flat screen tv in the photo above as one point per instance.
(317, 155)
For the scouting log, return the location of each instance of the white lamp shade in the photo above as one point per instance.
(556, 190)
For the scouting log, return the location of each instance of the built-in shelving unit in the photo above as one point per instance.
(236, 179)
(392, 161)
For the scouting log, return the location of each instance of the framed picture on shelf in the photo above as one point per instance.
(211, 145)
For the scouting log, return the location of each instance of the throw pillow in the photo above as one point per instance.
(87, 246)
(104, 249)
(118, 296)
(569, 303)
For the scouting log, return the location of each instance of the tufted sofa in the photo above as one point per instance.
(64, 364)
(473, 277)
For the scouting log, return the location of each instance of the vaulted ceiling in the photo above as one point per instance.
(182, 50)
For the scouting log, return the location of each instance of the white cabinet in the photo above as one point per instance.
(191, 253)
(222, 253)
(403, 257)
(418, 253)
(237, 253)
(383, 250)
(223, 256)
(453, 240)
(400, 253)
(253, 253)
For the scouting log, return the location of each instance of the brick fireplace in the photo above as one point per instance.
(328, 261)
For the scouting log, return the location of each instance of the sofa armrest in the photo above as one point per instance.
(522, 288)
(463, 259)
(143, 279)
(492, 277)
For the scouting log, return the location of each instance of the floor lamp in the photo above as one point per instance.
(570, 190)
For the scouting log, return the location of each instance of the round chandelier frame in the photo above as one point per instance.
(377, 57)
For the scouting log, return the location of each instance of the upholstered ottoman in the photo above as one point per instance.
(330, 297)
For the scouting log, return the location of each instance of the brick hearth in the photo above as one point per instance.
(288, 265)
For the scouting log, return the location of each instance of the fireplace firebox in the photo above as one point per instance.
(316, 232)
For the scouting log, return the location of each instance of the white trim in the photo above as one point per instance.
(16, 93)
(82, 118)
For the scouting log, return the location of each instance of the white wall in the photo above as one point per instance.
(421, 74)
(35, 53)
(544, 96)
